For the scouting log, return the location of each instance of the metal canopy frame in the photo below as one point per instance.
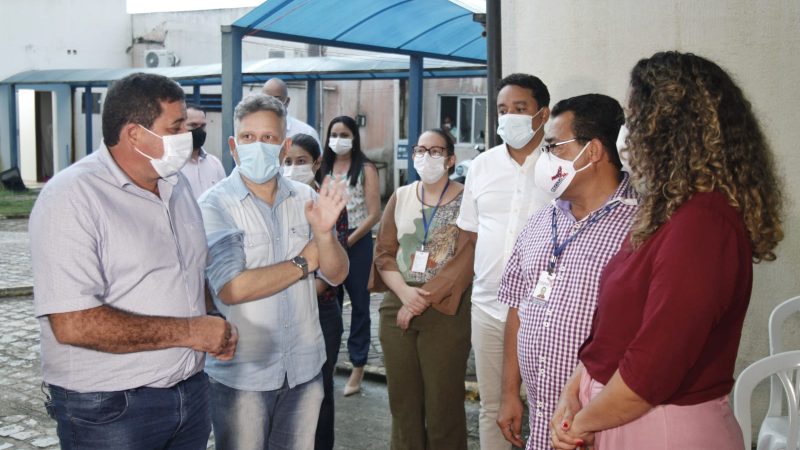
(418, 29)
(309, 69)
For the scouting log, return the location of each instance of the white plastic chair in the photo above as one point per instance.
(777, 432)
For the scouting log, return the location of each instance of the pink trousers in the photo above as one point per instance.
(709, 425)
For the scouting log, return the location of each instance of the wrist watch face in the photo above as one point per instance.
(301, 262)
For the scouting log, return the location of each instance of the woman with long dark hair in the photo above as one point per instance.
(658, 365)
(344, 158)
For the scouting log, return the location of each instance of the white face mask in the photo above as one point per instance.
(301, 173)
(553, 174)
(430, 169)
(622, 147)
(340, 146)
(516, 129)
(177, 150)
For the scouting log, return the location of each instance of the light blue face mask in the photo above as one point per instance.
(259, 161)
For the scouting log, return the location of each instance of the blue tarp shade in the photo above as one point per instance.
(427, 28)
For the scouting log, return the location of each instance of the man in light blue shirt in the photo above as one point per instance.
(266, 233)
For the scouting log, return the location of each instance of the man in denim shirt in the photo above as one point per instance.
(266, 233)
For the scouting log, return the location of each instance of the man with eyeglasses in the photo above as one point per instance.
(266, 234)
(550, 283)
(499, 196)
(277, 88)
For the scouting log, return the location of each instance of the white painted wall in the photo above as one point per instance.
(37, 34)
(581, 46)
(195, 36)
(26, 117)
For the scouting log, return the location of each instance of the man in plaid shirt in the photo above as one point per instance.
(551, 280)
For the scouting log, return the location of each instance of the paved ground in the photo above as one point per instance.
(363, 421)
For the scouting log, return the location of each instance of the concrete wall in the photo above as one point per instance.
(41, 34)
(578, 47)
(195, 36)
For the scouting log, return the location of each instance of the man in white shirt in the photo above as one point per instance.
(202, 170)
(499, 196)
(277, 88)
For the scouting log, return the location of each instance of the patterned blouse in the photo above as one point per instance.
(448, 272)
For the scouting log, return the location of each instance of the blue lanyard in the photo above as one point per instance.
(559, 249)
(425, 223)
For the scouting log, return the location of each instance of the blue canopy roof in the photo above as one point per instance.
(428, 28)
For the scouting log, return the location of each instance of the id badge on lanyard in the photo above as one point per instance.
(544, 287)
(420, 263)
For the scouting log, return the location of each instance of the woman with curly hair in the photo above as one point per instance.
(658, 365)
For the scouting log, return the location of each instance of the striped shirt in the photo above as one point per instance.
(551, 331)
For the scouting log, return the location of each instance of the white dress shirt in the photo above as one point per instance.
(499, 196)
(296, 126)
(203, 172)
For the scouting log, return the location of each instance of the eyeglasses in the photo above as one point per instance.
(550, 148)
(435, 152)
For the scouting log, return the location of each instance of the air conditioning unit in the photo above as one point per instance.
(160, 58)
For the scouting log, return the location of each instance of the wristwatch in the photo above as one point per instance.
(301, 263)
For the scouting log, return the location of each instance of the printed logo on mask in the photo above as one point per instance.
(560, 175)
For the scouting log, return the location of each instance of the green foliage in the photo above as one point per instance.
(16, 204)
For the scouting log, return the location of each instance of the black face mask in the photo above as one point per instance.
(198, 137)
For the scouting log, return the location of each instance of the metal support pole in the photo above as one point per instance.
(311, 103)
(494, 68)
(231, 86)
(414, 111)
(87, 102)
(196, 96)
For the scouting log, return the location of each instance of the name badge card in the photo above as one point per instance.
(544, 287)
(420, 261)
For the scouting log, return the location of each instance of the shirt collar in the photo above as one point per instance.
(202, 154)
(624, 193)
(529, 160)
(119, 176)
(285, 189)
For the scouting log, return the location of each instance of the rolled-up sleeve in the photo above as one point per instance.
(226, 257)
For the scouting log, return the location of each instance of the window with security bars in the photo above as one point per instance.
(464, 116)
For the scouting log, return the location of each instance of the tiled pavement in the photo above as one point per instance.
(25, 425)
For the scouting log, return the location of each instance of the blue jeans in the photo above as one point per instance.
(268, 420)
(360, 255)
(141, 418)
(330, 319)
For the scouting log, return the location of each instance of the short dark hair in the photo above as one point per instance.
(195, 107)
(307, 143)
(523, 80)
(136, 99)
(597, 116)
(449, 144)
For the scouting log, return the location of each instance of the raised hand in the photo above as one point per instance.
(323, 213)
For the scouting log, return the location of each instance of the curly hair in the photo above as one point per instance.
(692, 130)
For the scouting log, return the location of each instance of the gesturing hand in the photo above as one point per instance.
(323, 213)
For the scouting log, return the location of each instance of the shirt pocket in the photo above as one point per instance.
(298, 236)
